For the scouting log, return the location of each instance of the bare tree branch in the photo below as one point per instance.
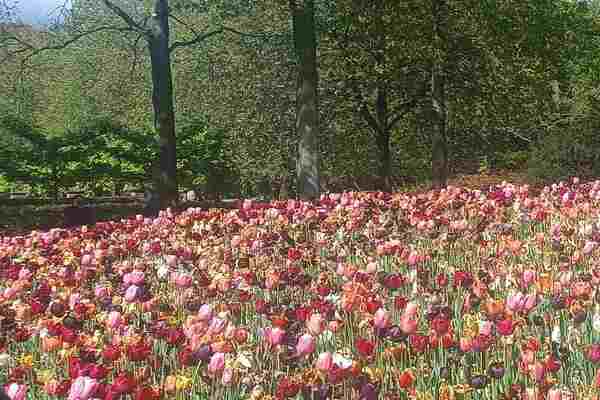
(401, 110)
(134, 48)
(365, 112)
(33, 51)
(125, 17)
(197, 39)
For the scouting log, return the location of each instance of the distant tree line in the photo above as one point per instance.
(280, 97)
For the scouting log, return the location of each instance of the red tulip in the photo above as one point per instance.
(505, 327)
(400, 302)
(393, 281)
(373, 305)
(286, 388)
(186, 357)
(138, 351)
(440, 325)
(364, 347)
(111, 353)
(98, 372)
(123, 383)
(175, 336)
(406, 379)
(552, 364)
(146, 393)
(418, 343)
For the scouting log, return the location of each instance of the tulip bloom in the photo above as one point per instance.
(315, 324)
(83, 388)
(274, 336)
(593, 353)
(324, 362)
(382, 319)
(114, 320)
(16, 392)
(306, 345)
(216, 363)
(132, 293)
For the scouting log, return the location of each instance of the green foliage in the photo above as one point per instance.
(565, 153)
(517, 72)
(202, 159)
(102, 154)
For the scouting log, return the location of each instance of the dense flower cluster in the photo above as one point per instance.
(455, 294)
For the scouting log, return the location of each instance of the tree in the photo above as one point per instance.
(155, 30)
(437, 93)
(307, 111)
(379, 46)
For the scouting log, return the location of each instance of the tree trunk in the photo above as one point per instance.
(437, 117)
(307, 123)
(162, 100)
(383, 138)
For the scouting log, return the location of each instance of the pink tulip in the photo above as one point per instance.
(102, 291)
(227, 377)
(371, 267)
(382, 319)
(515, 301)
(217, 363)
(589, 247)
(217, 326)
(554, 394)
(74, 299)
(10, 293)
(485, 328)
(171, 260)
(306, 345)
(16, 392)
(183, 280)
(539, 372)
(131, 293)
(413, 258)
(527, 357)
(114, 320)
(86, 260)
(324, 362)
(274, 336)
(83, 388)
(528, 277)
(134, 278)
(25, 274)
(530, 302)
(411, 309)
(315, 324)
(465, 344)
(408, 324)
(205, 313)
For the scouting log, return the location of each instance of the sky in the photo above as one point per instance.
(37, 11)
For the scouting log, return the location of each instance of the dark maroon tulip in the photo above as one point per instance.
(316, 392)
(368, 391)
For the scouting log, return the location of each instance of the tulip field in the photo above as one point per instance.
(449, 295)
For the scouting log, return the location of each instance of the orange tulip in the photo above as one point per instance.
(170, 385)
(50, 344)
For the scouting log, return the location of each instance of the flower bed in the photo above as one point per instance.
(454, 295)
